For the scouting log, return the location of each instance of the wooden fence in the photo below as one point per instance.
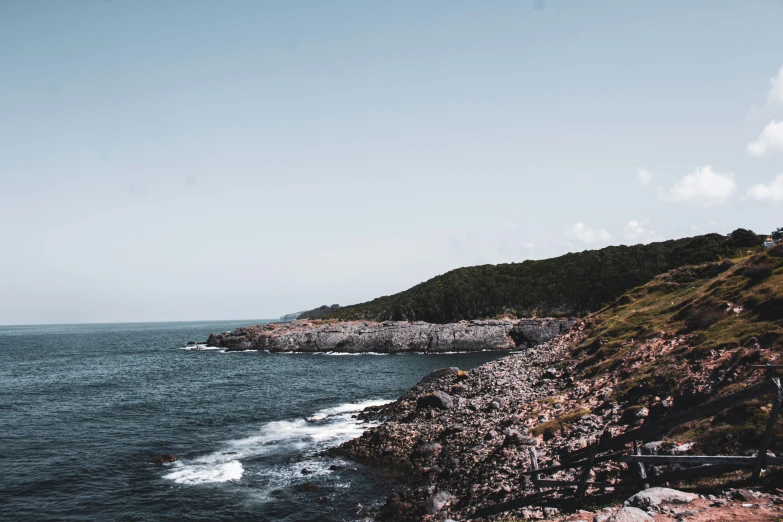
(706, 465)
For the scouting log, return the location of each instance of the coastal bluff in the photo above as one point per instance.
(391, 336)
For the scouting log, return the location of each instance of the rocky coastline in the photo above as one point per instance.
(462, 440)
(392, 336)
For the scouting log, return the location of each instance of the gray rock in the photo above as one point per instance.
(437, 502)
(439, 400)
(657, 496)
(630, 514)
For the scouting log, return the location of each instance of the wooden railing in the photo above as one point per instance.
(585, 458)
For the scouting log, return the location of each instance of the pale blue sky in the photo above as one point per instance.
(172, 160)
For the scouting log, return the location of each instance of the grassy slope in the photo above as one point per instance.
(573, 284)
(692, 334)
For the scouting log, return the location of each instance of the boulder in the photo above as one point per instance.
(438, 501)
(630, 514)
(429, 449)
(438, 400)
(533, 332)
(435, 375)
(165, 459)
(657, 496)
(742, 495)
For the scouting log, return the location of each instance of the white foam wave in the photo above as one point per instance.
(202, 471)
(200, 347)
(347, 408)
(307, 437)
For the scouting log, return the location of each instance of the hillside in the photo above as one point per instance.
(570, 285)
(691, 334)
(688, 336)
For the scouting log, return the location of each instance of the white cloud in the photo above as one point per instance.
(770, 139)
(638, 232)
(644, 176)
(703, 187)
(771, 192)
(775, 96)
(585, 234)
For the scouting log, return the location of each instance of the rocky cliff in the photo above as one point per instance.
(391, 336)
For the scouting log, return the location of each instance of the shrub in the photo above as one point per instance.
(757, 273)
(702, 316)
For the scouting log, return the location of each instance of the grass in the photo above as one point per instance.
(552, 428)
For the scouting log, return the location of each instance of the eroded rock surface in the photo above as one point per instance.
(390, 336)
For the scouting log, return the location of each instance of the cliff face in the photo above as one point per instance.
(391, 336)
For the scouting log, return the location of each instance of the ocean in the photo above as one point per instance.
(85, 410)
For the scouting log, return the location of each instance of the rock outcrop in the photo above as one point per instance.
(391, 336)
(532, 332)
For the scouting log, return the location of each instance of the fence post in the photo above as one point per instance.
(642, 469)
(582, 487)
(534, 464)
(770, 431)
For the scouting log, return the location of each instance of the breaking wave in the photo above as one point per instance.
(287, 438)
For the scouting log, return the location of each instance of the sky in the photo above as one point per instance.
(188, 160)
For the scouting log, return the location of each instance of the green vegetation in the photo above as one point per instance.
(319, 312)
(569, 285)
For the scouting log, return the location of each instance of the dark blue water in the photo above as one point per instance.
(85, 409)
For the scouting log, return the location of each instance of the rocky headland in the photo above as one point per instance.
(392, 336)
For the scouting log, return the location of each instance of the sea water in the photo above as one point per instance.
(85, 410)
